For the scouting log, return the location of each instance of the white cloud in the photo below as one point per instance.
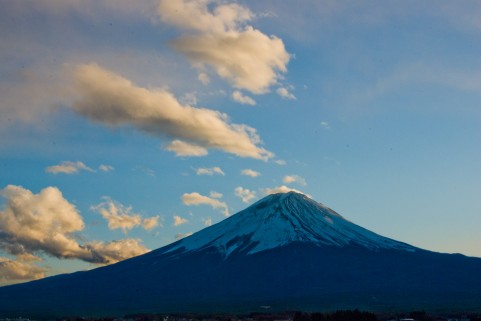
(245, 194)
(150, 223)
(221, 39)
(179, 236)
(280, 162)
(106, 168)
(183, 149)
(210, 171)
(47, 223)
(249, 59)
(68, 167)
(117, 215)
(121, 217)
(215, 194)
(250, 172)
(39, 222)
(203, 78)
(195, 15)
(284, 93)
(281, 189)
(325, 125)
(243, 99)
(193, 199)
(110, 99)
(179, 220)
(207, 221)
(33, 87)
(288, 179)
(27, 257)
(12, 271)
(115, 251)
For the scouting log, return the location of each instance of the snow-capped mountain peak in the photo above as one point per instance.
(280, 219)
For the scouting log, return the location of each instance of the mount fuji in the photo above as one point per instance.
(281, 219)
(285, 252)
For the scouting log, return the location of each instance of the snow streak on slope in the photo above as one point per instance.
(280, 219)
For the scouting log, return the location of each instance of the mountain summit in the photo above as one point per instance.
(285, 251)
(280, 219)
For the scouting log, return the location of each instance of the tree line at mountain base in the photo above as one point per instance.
(347, 315)
(356, 315)
(342, 315)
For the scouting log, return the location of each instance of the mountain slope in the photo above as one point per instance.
(285, 251)
(281, 219)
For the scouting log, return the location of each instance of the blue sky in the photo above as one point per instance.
(127, 125)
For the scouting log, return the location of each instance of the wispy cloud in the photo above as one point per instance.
(117, 215)
(203, 78)
(207, 221)
(250, 172)
(150, 223)
(288, 179)
(193, 199)
(219, 37)
(106, 168)
(245, 194)
(243, 99)
(324, 124)
(110, 99)
(179, 220)
(122, 217)
(285, 93)
(146, 170)
(215, 194)
(184, 149)
(115, 251)
(68, 167)
(210, 171)
(189, 98)
(280, 189)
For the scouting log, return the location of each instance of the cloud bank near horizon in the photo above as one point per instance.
(46, 223)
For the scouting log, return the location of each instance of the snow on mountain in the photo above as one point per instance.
(280, 219)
